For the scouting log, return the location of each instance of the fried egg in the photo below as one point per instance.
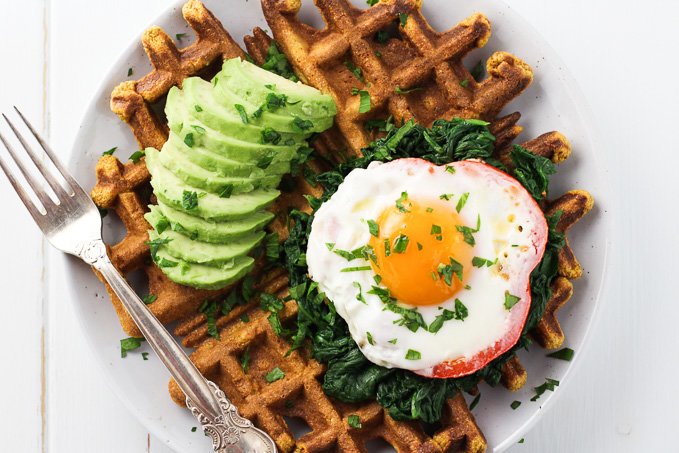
(429, 265)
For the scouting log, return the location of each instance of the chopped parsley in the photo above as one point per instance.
(243, 114)
(130, 71)
(480, 262)
(199, 129)
(364, 105)
(198, 108)
(549, 385)
(188, 140)
(274, 375)
(354, 420)
(129, 344)
(266, 160)
(401, 243)
(359, 296)
(210, 309)
(137, 155)
(462, 201)
(419, 246)
(356, 269)
(110, 151)
(155, 244)
(450, 169)
(448, 270)
(245, 360)
(399, 90)
(563, 354)
(436, 231)
(387, 248)
(464, 83)
(166, 263)
(515, 404)
(403, 19)
(226, 192)
(400, 202)
(145, 355)
(180, 36)
(413, 355)
(510, 300)
(276, 62)
(382, 36)
(301, 125)
(269, 135)
(371, 340)
(446, 196)
(189, 200)
(478, 71)
(372, 2)
(393, 341)
(149, 299)
(355, 70)
(468, 232)
(459, 314)
(374, 228)
(475, 402)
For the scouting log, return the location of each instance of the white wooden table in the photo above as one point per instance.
(622, 398)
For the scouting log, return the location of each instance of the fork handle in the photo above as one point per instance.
(219, 418)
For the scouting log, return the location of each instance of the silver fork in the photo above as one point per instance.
(73, 224)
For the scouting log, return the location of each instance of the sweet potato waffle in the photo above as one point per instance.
(417, 58)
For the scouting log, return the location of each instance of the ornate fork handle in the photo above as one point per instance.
(219, 418)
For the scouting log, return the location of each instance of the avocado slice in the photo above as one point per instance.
(196, 91)
(206, 230)
(171, 190)
(279, 118)
(253, 84)
(198, 177)
(224, 166)
(192, 251)
(202, 276)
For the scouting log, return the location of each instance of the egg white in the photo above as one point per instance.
(507, 232)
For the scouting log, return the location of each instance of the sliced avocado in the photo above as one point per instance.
(181, 247)
(224, 166)
(209, 231)
(249, 82)
(200, 275)
(266, 114)
(172, 191)
(201, 178)
(196, 91)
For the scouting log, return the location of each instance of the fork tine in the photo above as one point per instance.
(30, 179)
(46, 173)
(53, 157)
(32, 208)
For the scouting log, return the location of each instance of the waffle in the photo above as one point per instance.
(424, 60)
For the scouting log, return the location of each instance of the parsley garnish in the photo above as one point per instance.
(276, 62)
(480, 262)
(401, 243)
(399, 90)
(400, 202)
(446, 196)
(371, 340)
(448, 270)
(149, 299)
(563, 354)
(209, 309)
(393, 341)
(475, 401)
(356, 269)
(436, 231)
(355, 70)
(354, 420)
(269, 135)
(462, 201)
(467, 232)
(145, 355)
(372, 2)
(478, 70)
(403, 19)
(188, 140)
(274, 375)
(272, 304)
(510, 300)
(464, 83)
(382, 36)
(460, 314)
(155, 244)
(129, 344)
(387, 248)
(419, 246)
(189, 200)
(226, 192)
(245, 360)
(180, 36)
(110, 151)
(243, 114)
(550, 384)
(266, 160)
(450, 169)
(137, 155)
(199, 129)
(359, 296)
(130, 71)
(515, 404)
(374, 228)
(198, 108)
(364, 104)
(300, 125)
(413, 355)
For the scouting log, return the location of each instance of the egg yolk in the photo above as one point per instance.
(415, 243)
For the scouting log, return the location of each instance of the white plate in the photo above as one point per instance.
(553, 102)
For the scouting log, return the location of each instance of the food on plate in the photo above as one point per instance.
(455, 244)
(274, 340)
(231, 141)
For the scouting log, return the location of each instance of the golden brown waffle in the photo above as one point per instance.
(422, 59)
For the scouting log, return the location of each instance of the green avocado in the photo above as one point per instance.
(192, 251)
(253, 84)
(202, 276)
(198, 177)
(216, 115)
(230, 143)
(224, 166)
(206, 230)
(176, 193)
